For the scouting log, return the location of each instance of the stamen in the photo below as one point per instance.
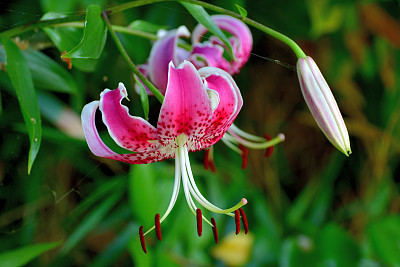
(244, 220)
(201, 199)
(199, 222)
(214, 229)
(142, 243)
(269, 150)
(237, 221)
(244, 155)
(158, 226)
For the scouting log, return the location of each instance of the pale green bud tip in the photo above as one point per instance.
(322, 104)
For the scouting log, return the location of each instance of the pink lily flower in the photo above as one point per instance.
(322, 104)
(209, 53)
(198, 108)
(241, 41)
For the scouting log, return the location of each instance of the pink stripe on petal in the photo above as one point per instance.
(129, 132)
(163, 51)
(186, 108)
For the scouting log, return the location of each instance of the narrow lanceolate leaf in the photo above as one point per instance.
(49, 75)
(144, 98)
(94, 36)
(20, 76)
(22, 256)
(242, 11)
(201, 15)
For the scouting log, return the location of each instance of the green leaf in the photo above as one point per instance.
(90, 221)
(65, 38)
(384, 238)
(47, 74)
(242, 11)
(20, 76)
(144, 98)
(94, 36)
(117, 247)
(148, 192)
(336, 247)
(299, 251)
(201, 15)
(22, 256)
(146, 26)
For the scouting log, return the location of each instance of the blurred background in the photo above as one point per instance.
(309, 205)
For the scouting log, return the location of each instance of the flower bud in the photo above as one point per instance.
(322, 104)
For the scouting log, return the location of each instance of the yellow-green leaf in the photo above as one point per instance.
(20, 76)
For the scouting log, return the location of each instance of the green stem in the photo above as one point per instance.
(38, 24)
(116, 28)
(131, 65)
(283, 38)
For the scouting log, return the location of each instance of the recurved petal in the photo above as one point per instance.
(207, 54)
(242, 39)
(129, 132)
(230, 102)
(163, 51)
(100, 149)
(186, 108)
(322, 104)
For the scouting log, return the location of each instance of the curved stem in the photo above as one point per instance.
(283, 38)
(40, 24)
(131, 65)
(116, 28)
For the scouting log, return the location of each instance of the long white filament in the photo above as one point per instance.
(197, 194)
(174, 193)
(183, 171)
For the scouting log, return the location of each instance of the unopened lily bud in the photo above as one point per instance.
(322, 104)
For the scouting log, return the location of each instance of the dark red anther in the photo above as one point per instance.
(199, 222)
(269, 150)
(245, 154)
(237, 221)
(244, 220)
(214, 229)
(158, 226)
(142, 239)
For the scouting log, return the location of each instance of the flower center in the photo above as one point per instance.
(183, 173)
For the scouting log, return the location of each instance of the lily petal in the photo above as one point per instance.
(209, 55)
(242, 40)
(100, 149)
(230, 101)
(186, 108)
(163, 51)
(129, 132)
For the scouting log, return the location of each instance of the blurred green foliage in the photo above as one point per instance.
(308, 204)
